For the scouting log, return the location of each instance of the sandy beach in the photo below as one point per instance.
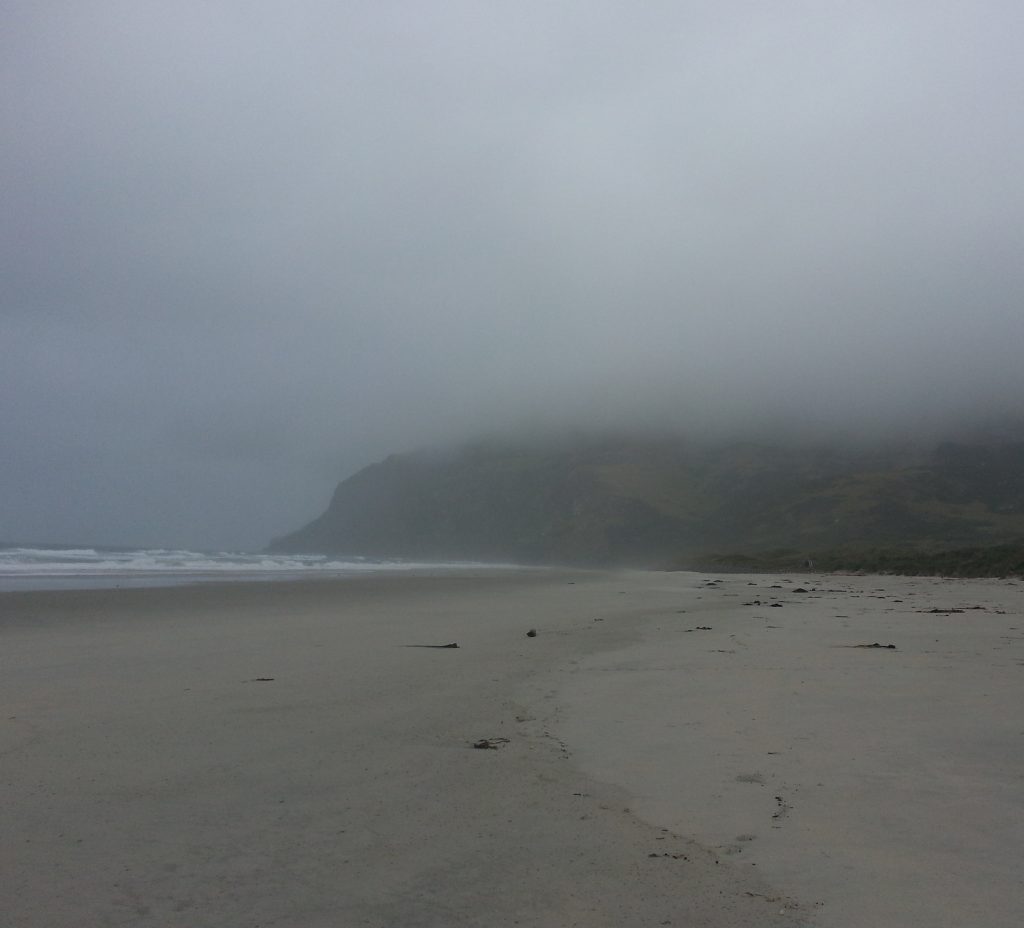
(669, 749)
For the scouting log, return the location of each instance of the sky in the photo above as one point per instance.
(247, 248)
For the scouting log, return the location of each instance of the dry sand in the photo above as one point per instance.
(275, 755)
(869, 786)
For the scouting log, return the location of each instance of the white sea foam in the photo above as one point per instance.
(40, 567)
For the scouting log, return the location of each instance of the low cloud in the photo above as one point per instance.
(249, 249)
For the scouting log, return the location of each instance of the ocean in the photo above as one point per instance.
(58, 567)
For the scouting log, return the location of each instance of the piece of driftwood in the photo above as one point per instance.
(490, 744)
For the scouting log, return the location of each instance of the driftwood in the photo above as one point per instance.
(490, 744)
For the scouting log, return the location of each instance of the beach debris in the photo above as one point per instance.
(261, 680)
(782, 809)
(775, 605)
(785, 900)
(532, 633)
(938, 611)
(800, 589)
(875, 644)
(490, 744)
(671, 856)
(442, 646)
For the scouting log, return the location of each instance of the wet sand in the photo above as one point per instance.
(278, 754)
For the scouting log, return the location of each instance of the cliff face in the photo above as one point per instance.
(645, 502)
(529, 506)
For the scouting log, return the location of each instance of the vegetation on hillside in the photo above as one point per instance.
(957, 508)
(999, 560)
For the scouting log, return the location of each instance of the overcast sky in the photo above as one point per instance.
(250, 247)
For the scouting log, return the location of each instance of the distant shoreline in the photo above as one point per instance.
(65, 567)
(975, 562)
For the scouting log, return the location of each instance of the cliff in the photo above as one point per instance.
(655, 501)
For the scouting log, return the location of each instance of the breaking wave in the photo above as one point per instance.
(24, 567)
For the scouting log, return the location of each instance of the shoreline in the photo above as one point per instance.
(74, 581)
(283, 754)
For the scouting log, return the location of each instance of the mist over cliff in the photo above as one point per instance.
(248, 248)
(656, 501)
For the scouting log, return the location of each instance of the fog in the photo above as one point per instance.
(251, 247)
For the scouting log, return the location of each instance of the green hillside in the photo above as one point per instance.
(667, 501)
